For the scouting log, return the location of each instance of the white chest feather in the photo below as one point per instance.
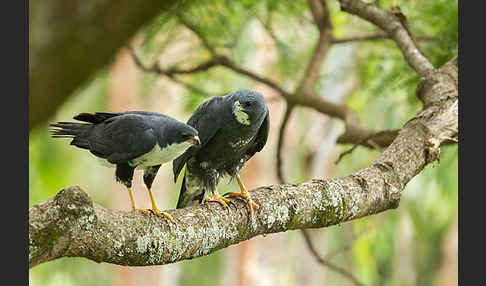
(241, 143)
(158, 156)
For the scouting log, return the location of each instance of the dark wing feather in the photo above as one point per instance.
(261, 137)
(204, 121)
(122, 138)
(95, 118)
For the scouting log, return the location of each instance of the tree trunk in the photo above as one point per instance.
(70, 40)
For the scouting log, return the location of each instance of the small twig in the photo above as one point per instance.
(347, 246)
(270, 32)
(395, 10)
(192, 87)
(361, 142)
(377, 37)
(198, 33)
(199, 68)
(321, 16)
(171, 73)
(138, 62)
(226, 62)
(355, 135)
(285, 120)
(392, 25)
(326, 263)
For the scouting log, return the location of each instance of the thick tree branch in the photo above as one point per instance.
(71, 225)
(392, 25)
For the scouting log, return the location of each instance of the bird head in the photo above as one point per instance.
(247, 106)
(186, 134)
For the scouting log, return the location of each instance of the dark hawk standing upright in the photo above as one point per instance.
(232, 128)
(130, 140)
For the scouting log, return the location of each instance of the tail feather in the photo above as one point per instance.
(77, 131)
(189, 197)
(181, 193)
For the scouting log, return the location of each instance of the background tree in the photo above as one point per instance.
(313, 62)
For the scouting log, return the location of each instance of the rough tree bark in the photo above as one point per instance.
(70, 40)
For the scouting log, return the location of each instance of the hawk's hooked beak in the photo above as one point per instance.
(195, 141)
(237, 107)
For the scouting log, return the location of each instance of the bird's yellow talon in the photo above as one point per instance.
(219, 199)
(145, 211)
(245, 196)
(165, 215)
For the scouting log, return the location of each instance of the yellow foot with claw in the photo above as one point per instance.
(145, 211)
(163, 214)
(219, 199)
(247, 198)
(158, 213)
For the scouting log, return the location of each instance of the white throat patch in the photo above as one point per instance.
(158, 156)
(240, 115)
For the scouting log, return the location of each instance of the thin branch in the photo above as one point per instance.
(199, 68)
(331, 109)
(357, 135)
(392, 24)
(270, 32)
(193, 88)
(322, 19)
(369, 142)
(281, 132)
(155, 68)
(326, 263)
(346, 246)
(198, 33)
(172, 72)
(321, 16)
(226, 62)
(377, 37)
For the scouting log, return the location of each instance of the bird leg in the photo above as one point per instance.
(156, 210)
(219, 199)
(244, 195)
(133, 202)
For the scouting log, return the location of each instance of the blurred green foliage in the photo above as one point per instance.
(385, 99)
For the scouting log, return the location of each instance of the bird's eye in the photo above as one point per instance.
(186, 136)
(247, 103)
